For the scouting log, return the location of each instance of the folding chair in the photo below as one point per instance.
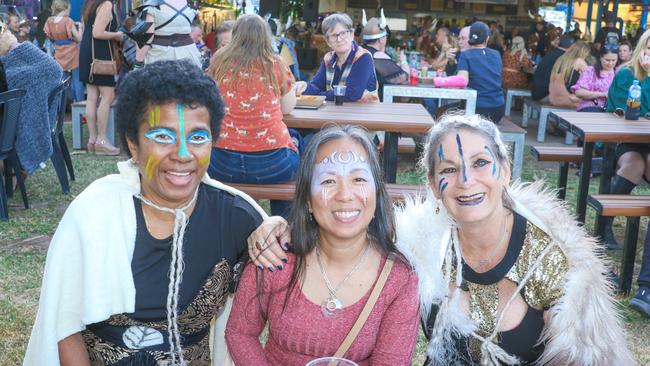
(60, 154)
(10, 102)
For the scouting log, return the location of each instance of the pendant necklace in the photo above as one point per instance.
(333, 304)
(484, 262)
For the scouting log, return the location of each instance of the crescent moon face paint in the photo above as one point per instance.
(342, 170)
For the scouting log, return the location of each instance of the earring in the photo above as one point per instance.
(437, 208)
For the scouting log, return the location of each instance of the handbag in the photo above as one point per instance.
(365, 313)
(102, 67)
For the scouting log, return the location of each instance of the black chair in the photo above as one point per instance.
(10, 102)
(60, 154)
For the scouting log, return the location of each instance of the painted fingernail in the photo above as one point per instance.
(271, 269)
(285, 260)
(286, 246)
(280, 267)
(260, 266)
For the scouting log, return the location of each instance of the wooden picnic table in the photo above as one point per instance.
(591, 127)
(393, 118)
(429, 91)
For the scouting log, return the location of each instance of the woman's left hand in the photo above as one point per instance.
(266, 245)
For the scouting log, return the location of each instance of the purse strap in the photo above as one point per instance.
(365, 313)
(110, 45)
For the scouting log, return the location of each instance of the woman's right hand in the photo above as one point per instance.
(300, 87)
(119, 36)
(268, 243)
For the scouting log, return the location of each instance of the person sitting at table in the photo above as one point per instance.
(463, 37)
(255, 145)
(479, 68)
(347, 64)
(564, 74)
(542, 76)
(594, 82)
(343, 237)
(517, 67)
(143, 260)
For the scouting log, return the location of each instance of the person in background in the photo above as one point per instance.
(608, 33)
(480, 68)
(13, 23)
(517, 67)
(100, 31)
(62, 30)
(594, 82)
(564, 75)
(347, 64)
(542, 76)
(537, 39)
(197, 37)
(343, 236)
(224, 34)
(375, 38)
(255, 145)
(624, 53)
(463, 37)
(24, 31)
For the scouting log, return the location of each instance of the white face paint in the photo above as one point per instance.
(342, 170)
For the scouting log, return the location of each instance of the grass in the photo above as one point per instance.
(24, 237)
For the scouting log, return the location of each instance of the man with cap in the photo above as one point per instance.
(479, 68)
(608, 33)
(542, 75)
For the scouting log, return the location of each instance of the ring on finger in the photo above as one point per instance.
(259, 246)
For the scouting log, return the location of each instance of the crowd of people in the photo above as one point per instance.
(178, 268)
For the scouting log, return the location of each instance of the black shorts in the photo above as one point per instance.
(622, 148)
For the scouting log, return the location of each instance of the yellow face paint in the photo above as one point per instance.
(151, 119)
(150, 168)
(157, 109)
(154, 117)
(204, 161)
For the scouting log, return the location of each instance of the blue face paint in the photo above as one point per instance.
(441, 155)
(494, 161)
(182, 149)
(344, 165)
(441, 186)
(198, 138)
(462, 158)
(161, 136)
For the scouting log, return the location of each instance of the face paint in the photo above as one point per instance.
(198, 138)
(442, 185)
(151, 166)
(182, 149)
(342, 164)
(161, 136)
(441, 155)
(204, 161)
(494, 161)
(154, 117)
(462, 158)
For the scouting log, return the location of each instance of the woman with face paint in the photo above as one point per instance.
(506, 274)
(144, 259)
(343, 243)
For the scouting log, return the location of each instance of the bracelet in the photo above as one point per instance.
(138, 65)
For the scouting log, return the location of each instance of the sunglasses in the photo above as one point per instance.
(611, 48)
(620, 112)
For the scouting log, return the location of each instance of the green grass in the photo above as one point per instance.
(22, 253)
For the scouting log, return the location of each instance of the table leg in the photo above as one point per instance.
(607, 171)
(389, 159)
(388, 97)
(470, 107)
(77, 129)
(583, 188)
(509, 98)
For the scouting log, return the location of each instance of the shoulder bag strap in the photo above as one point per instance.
(374, 295)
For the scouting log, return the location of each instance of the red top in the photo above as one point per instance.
(302, 333)
(253, 120)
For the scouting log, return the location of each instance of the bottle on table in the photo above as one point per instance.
(633, 110)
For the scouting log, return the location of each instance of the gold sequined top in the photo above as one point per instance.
(542, 289)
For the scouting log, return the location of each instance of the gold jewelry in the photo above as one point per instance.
(259, 246)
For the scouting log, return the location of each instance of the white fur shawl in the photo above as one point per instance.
(87, 274)
(584, 326)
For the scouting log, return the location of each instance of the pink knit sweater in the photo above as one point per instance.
(299, 332)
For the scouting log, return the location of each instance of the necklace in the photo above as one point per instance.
(332, 304)
(484, 262)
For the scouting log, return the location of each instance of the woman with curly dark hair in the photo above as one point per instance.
(144, 259)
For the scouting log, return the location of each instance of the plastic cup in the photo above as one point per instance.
(339, 93)
(331, 361)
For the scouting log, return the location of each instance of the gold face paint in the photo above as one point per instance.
(204, 161)
(150, 168)
(154, 117)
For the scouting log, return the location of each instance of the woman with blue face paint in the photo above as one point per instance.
(506, 275)
(343, 244)
(143, 260)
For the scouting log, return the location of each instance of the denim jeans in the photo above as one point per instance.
(265, 167)
(77, 88)
(644, 274)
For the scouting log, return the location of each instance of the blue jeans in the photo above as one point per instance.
(644, 274)
(77, 88)
(265, 167)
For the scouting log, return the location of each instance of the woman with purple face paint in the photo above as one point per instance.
(343, 242)
(505, 273)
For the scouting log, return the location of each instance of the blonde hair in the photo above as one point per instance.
(635, 62)
(564, 65)
(59, 6)
(249, 49)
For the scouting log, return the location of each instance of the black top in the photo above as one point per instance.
(522, 340)
(609, 35)
(217, 229)
(542, 76)
(102, 52)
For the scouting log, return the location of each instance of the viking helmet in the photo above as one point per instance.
(373, 28)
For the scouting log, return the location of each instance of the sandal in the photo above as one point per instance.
(90, 147)
(104, 147)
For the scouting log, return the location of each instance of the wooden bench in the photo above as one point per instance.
(285, 191)
(632, 207)
(78, 111)
(563, 155)
(406, 145)
(511, 133)
(543, 111)
(511, 94)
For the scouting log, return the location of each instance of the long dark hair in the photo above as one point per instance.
(89, 8)
(604, 50)
(304, 230)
